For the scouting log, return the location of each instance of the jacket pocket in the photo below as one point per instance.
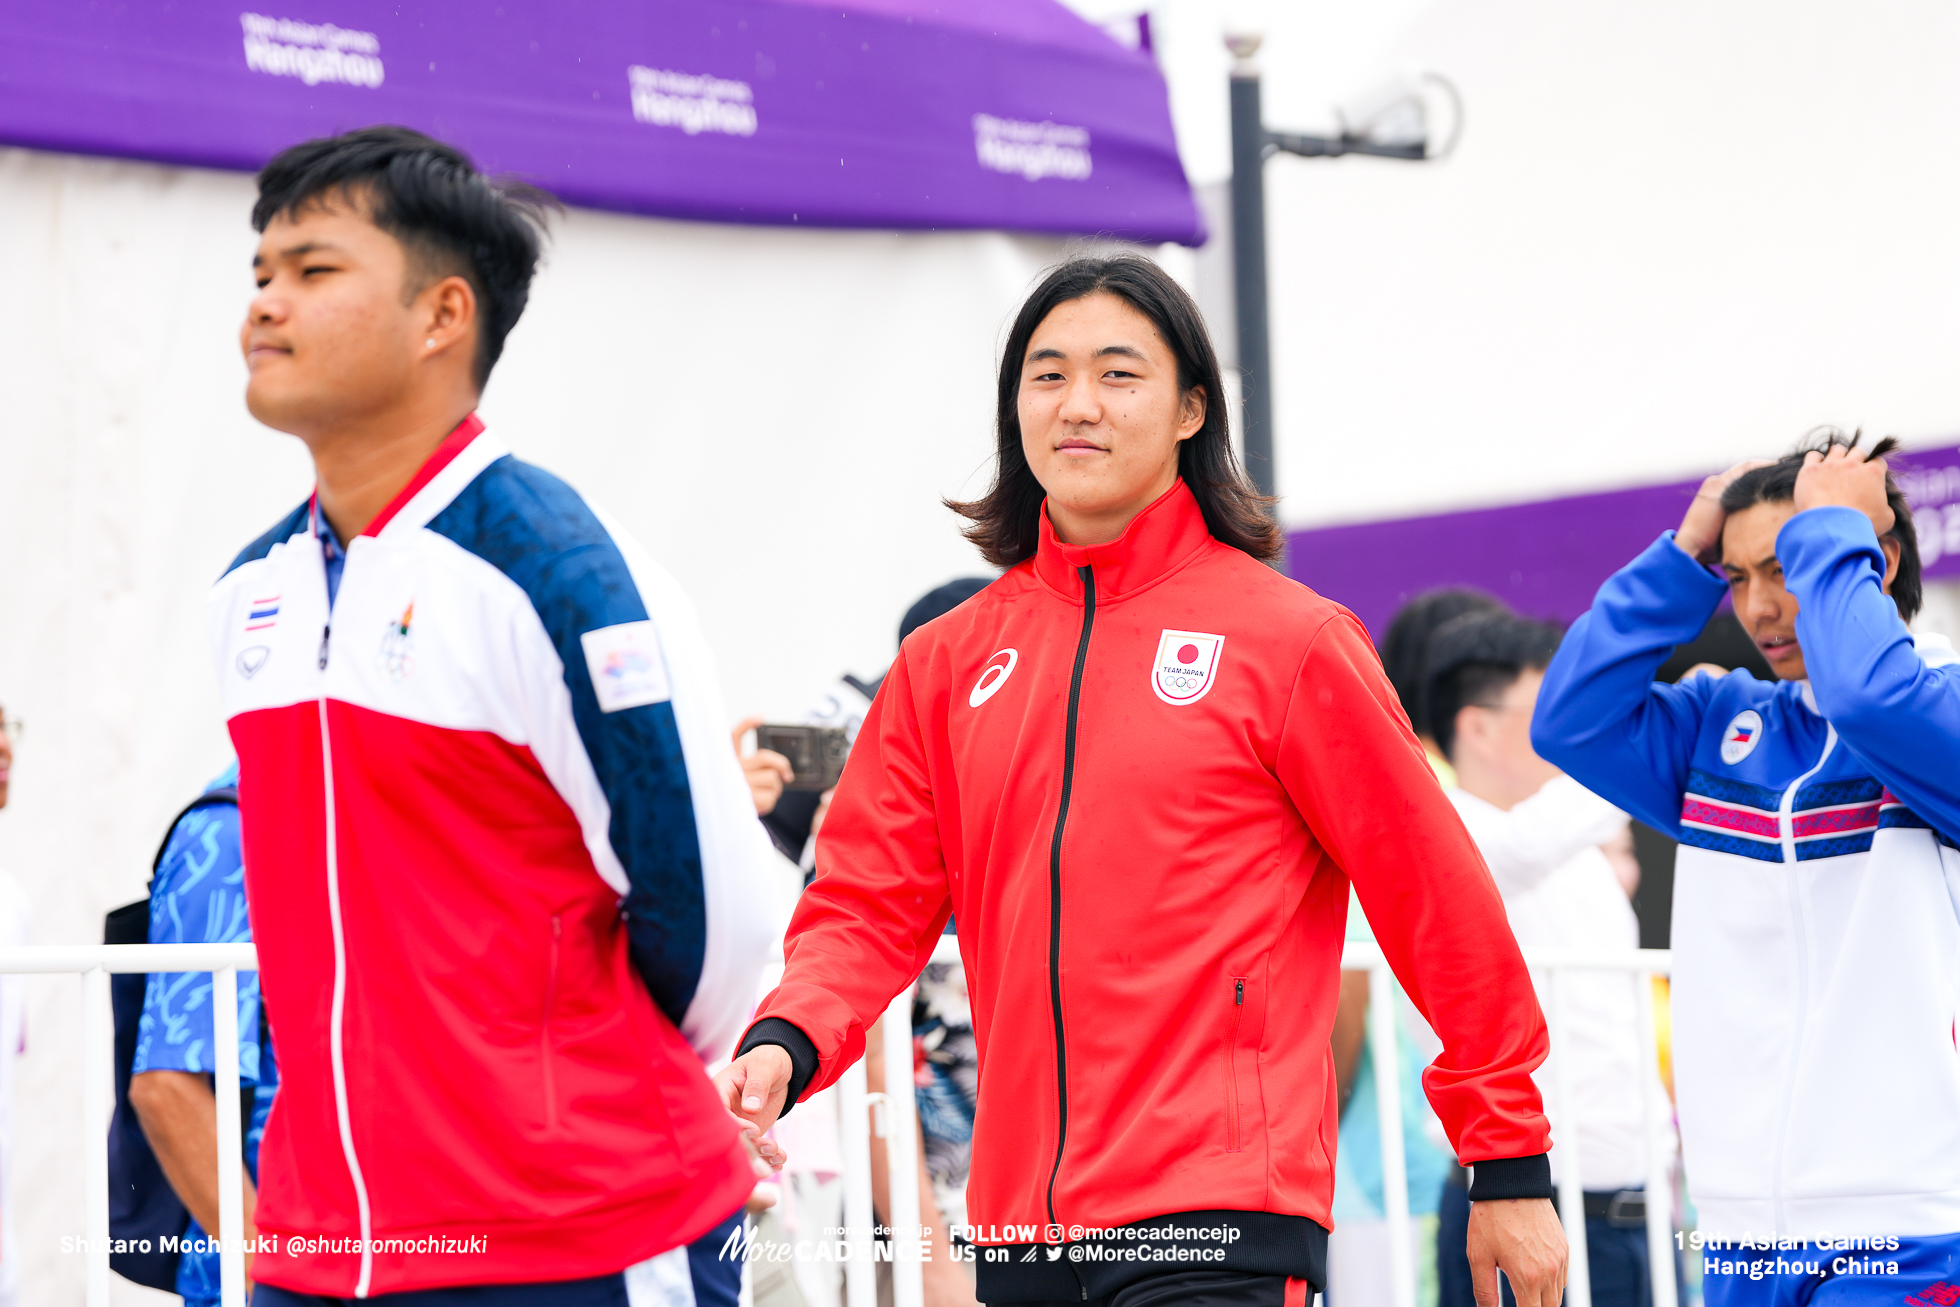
(1234, 1137)
(544, 1027)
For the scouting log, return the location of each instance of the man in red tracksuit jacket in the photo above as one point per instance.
(1140, 770)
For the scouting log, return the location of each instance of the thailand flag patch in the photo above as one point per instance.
(262, 613)
(1741, 736)
(1186, 665)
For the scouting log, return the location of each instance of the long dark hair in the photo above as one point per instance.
(1776, 483)
(1006, 521)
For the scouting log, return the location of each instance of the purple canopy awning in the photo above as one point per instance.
(1009, 114)
(1548, 559)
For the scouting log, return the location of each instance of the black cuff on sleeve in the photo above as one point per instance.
(1512, 1177)
(802, 1055)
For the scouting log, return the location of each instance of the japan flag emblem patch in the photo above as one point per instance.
(1186, 665)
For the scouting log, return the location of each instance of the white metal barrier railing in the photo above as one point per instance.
(1641, 966)
(95, 963)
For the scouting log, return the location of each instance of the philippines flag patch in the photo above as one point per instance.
(1186, 665)
(1741, 737)
(262, 613)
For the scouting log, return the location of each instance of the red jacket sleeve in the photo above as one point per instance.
(866, 926)
(1359, 778)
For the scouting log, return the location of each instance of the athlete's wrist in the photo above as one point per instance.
(801, 1049)
(1512, 1177)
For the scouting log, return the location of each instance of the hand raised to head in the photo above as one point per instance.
(1843, 477)
(1700, 533)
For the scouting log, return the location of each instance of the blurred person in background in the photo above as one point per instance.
(1357, 1263)
(1147, 833)
(766, 771)
(1357, 1258)
(1358, 1250)
(944, 1059)
(1545, 837)
(942, 1017)
(501, 863)
(1816, 939)
(1405, 653)
(793, 816)
(15, 921)
(197, 896)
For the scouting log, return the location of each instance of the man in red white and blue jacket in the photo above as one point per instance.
(499, 852)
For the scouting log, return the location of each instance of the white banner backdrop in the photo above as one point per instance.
(775, 413)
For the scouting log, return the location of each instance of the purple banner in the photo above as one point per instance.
(1548, 559)
(1013, 114)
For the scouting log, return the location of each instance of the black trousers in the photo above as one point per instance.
(1201, 1289)
(1618, 1257)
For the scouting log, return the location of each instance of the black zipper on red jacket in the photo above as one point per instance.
(1088, 576)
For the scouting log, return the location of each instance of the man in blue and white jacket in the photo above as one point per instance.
(1816, 935)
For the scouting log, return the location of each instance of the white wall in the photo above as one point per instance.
(1676, 234)
(776, 413)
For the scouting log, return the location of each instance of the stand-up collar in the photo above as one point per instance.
(452, 444)
(1156, 542)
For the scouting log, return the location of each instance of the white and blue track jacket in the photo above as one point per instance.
(1816, 928)
(506, 882)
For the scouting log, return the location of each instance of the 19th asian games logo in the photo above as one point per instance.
(396, 656)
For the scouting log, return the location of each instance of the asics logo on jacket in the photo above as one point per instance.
(502, 867)
(1151, 896)
(994, 677)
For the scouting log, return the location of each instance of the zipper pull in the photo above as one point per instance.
(1238, 1000)
(326, 632)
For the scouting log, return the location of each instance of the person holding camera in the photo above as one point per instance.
(1141, 769)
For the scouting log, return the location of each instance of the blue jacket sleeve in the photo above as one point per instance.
(1601, 716)
(198, 897)
(1896, 712)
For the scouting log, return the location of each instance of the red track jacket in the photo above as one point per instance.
(1141, 776)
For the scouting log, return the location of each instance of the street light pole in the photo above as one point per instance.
(1249, 147)
(1252, 145)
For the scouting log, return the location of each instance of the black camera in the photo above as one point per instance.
(816, 753)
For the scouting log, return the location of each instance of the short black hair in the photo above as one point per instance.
(1405, 649)
(452, 220)
(939, 601)
(1776, 483)
(1474, 659)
